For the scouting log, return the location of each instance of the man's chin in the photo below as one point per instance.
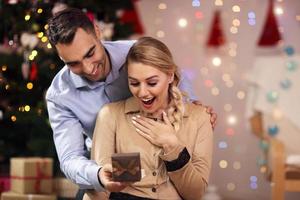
(95, 79)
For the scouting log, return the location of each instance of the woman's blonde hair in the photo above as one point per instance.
(150, 51)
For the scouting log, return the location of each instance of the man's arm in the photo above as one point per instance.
(186, 86)
(69, 143)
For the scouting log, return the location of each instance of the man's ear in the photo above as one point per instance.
(97, 31)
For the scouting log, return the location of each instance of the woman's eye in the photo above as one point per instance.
(152, 84)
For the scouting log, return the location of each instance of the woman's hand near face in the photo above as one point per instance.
(161, 134)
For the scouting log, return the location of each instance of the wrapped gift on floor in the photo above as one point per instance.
(64, 188)
(4, 183)
(31, 175)
(16, 196)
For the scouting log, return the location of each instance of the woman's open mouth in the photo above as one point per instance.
(147, 103)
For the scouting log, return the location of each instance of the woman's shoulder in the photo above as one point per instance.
(197, 112)
(111, 108)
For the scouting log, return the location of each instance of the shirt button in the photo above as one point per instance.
(154, 173)
(153, 189)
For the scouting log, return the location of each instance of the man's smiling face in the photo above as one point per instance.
(85, 55)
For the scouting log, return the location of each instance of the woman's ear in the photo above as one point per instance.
(171, 78)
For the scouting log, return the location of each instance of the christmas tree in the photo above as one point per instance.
(28, 64)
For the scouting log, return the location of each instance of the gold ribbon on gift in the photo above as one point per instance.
(132, 168)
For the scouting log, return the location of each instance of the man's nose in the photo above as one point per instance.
(87, 67)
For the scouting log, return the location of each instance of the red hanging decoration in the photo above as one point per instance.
(270, 35)
(131, 16)
(90, 15)
(216, 36)
(33, 72)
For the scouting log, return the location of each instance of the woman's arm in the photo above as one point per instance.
(104, 146)
(189, 171)
(104, 136)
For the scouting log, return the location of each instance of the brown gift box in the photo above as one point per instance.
(126, 167)
(31, 175)
(16, 196)
(64, 188)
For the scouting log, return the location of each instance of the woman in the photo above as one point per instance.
(173, 136)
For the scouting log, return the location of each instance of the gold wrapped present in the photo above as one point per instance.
(31, 175)
(64, 188)
(15, 196)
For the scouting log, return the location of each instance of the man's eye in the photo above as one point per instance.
(72, 65)
(90, 55)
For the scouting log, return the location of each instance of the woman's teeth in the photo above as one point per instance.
(148, 101)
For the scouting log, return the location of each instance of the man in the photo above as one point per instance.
(94, 74)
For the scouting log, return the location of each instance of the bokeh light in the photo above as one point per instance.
(253, 178)
(215, 91)
(236, 8)
(4, 68)
(231, 186)
(253, 185)
(241, 95)
(39, 10)
(162, 6)
(222, 145)
(251, 15)
(236, 22)
(263, 169)
(29, 85)
(226, 77)
(160, 34)
(277, 114)
(204, 70)
(13, 118)
(251, 22)
(229, 84)
(27, 108)
(236, 165)
(199, 15)
(232, 52)
(278, 10)
(182, 22)
(218, 2)
(196, 3)
(223, 164)
(216, 61)
(27, 17)
(230, 131)
(234, 30)
(227, 107)
(208, 83)
(231, 120)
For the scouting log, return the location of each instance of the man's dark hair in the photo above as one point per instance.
(64, 24)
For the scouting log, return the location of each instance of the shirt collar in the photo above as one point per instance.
(116, 59)
(132, 106)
